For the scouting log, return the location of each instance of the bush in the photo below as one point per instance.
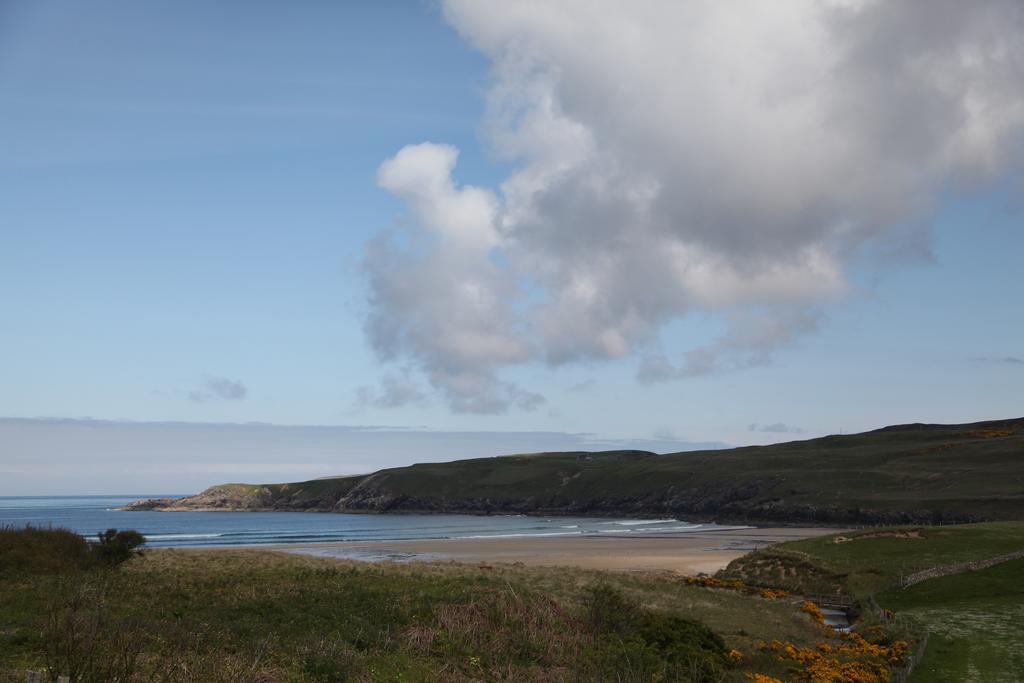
(36, 550)
(642, 644)
(115, 547)
(608, 611)
(680, 640)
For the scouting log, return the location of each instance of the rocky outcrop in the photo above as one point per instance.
(151, 504)
(240, 497)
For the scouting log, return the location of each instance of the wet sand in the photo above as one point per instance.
(685, 553)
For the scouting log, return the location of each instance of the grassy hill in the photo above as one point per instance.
(976, 624)
(975, 619)
(871, 561)
(916, 473)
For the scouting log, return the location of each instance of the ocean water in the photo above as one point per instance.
(89, 515)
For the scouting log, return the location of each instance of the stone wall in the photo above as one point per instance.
(949, 569)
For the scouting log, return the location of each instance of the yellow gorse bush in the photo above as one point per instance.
(856, 660)
(735, 585)
(762, 678)
(814, 611)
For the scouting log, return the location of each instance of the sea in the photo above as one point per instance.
(89, 515)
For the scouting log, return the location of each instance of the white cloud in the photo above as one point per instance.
(439, 297)
(675, 157)
(394, 391)
(749, 341)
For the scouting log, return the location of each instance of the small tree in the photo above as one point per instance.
(115, 547)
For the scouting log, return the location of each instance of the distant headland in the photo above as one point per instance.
(903, 474)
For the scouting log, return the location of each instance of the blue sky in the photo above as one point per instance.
(188, 191)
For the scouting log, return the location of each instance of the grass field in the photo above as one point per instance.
(261, 615)
(872, 560)
(976, 620)
(219, 615)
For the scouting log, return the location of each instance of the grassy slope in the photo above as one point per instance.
(871, 562)
(224, 615)
(905, 474)
(976, 622)
(976, 619)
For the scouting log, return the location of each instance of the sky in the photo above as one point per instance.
(443, 229)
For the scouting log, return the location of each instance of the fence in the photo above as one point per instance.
(902, 673)
(844, 602)
(948, 569)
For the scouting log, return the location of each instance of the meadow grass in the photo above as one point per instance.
(976, 621)
(865, 562)
(214, 615)
(264, 615)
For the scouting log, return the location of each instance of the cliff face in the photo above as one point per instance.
(909, 474)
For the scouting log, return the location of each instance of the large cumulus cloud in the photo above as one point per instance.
(730, 157)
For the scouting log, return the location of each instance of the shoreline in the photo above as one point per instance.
(682, 553)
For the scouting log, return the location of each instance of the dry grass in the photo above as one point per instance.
(220, 615)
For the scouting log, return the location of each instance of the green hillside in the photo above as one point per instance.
(903, 474)
(974, 619)
(871, 561)
(976, 624)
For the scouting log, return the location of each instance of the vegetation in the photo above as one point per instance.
(46, 550)
(866, 655)
(41, 551)
(975, 619)
(976, 624)
(192, 615)
(870, 561)
(114, 547)
(916, 474)
(855, 660)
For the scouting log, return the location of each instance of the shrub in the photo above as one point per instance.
(634, 643)
(608, 611)
(37, 550)
(115, 547)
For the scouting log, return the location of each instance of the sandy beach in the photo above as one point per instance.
(690, 553)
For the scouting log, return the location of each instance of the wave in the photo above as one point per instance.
(652, 530)
(180, 537)
(522, 535)
(640, 522)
